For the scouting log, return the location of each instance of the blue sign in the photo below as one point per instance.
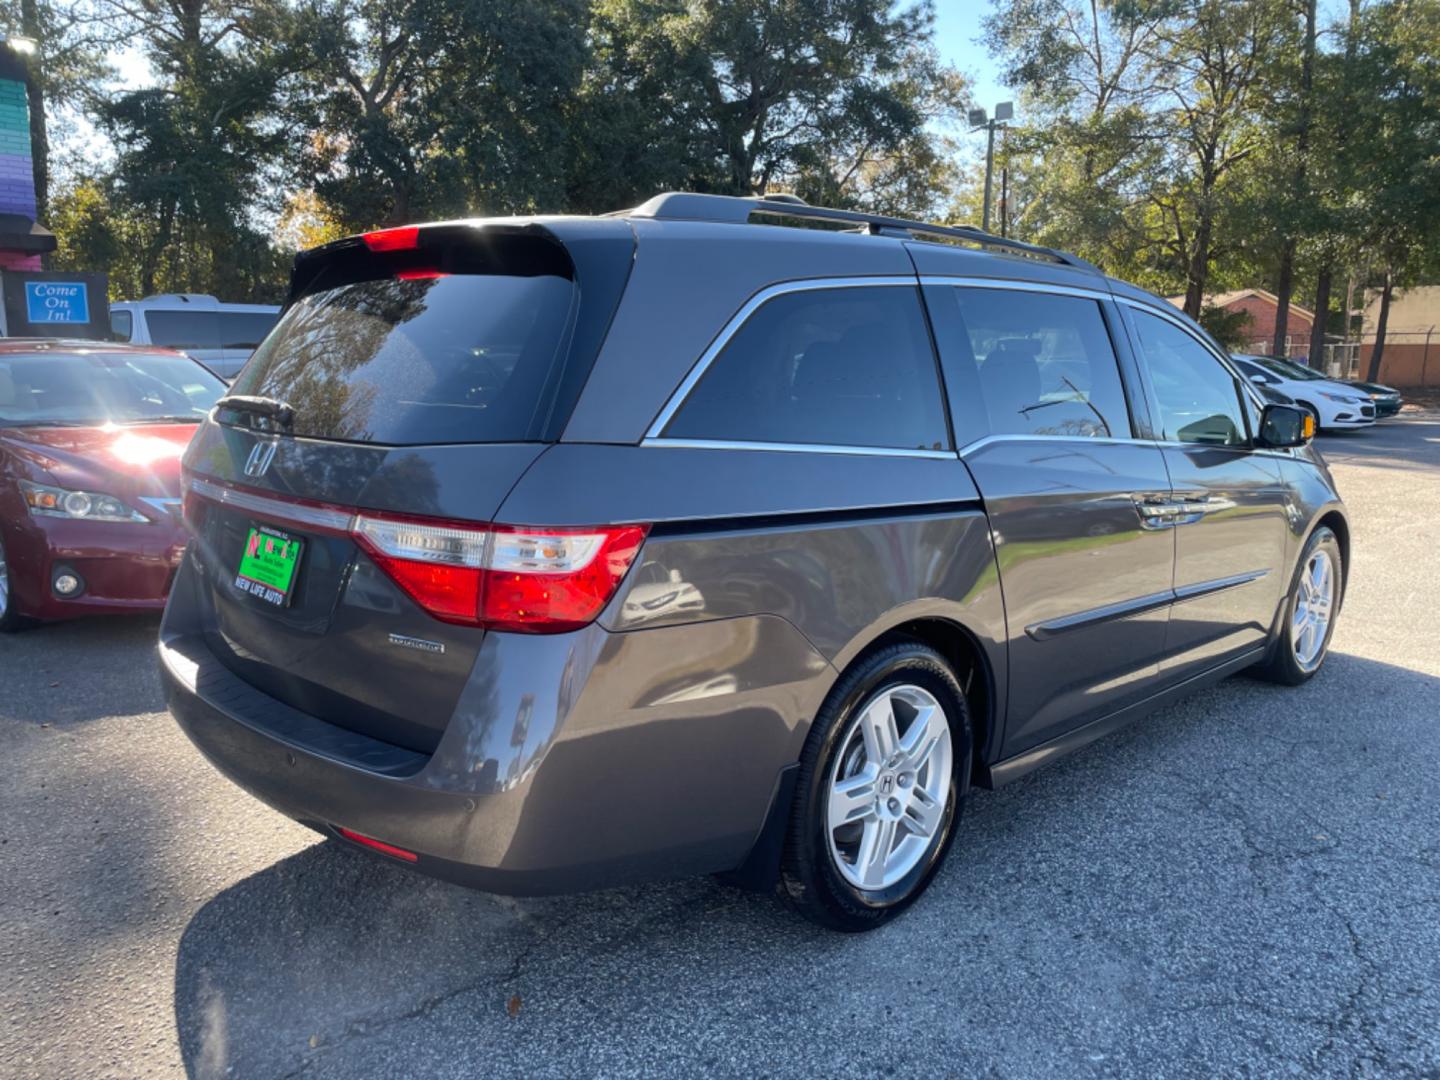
(57, 302)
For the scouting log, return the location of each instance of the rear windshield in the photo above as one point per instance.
(461, 358)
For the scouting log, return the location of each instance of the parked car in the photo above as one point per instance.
(90, 441)
(548, 554)
(1335, 405)
(220, 336)
(1387, 399)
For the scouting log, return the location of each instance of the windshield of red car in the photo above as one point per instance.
(93, 388)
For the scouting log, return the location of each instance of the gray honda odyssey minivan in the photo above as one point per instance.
(720, 536)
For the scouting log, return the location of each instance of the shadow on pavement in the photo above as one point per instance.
(1241, 876)
(42, 667)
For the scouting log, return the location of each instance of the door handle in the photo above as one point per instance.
(1157, 511)
(1166, 511)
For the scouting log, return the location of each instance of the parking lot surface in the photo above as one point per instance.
(1247, 883)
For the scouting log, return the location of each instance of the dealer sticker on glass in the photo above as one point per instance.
(268, 565)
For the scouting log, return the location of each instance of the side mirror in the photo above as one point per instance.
(1286, 425)
(1259, 379)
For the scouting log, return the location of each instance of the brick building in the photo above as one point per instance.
(1262, 308)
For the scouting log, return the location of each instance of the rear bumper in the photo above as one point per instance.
(528, 792)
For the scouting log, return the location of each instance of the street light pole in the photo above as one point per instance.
(978, 119)
(989, 172)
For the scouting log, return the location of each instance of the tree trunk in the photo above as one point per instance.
(1284, 286)
(1199, 272)
(1285, 282)
(1378, 352)
(1322, 312)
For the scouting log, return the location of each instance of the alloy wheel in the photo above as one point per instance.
(1314, 604)
(889, 787)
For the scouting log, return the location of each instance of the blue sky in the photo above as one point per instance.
(957, 25)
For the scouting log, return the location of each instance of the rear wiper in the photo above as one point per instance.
(282, 412)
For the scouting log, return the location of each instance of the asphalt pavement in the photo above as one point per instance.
(1245, 884)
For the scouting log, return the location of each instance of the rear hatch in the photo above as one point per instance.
(413, 378)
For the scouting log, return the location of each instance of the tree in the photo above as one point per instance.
(836, 99)
(1297, 111)
(1209, 62)
(437, 108)
(1088, 142)
(194, 151)
(1397, 140)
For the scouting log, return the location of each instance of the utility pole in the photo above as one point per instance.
(979, 119)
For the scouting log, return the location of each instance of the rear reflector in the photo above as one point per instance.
(538, 581)
(419, 275)
(405, 238)
(379, 845)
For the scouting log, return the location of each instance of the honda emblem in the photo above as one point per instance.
(260, 457)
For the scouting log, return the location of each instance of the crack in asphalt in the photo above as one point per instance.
(367, 1027)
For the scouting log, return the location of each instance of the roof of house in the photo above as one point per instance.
(1225, 299)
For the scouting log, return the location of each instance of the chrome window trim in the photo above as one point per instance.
(1017, 285)
(1084, 440)
(279, 509)
(698, 369)
(800, 448)
(1164, 444)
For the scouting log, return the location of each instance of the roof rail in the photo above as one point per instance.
(687, 206)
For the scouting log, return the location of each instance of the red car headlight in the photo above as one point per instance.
(45, 501)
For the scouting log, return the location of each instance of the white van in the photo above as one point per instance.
(220, 336)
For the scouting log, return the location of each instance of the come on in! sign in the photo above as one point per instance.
(57, 302)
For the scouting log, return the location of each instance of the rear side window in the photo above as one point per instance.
(121, 325)
(244, 329)
(184, 329)
(1042, 364)
(414, 359)
(836, 367)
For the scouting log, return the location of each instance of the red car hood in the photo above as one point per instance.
(143, 459)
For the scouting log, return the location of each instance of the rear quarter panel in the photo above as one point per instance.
(842, 548)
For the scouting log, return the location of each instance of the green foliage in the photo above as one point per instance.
(838, 100)
(1188, 145)
(1230, 327)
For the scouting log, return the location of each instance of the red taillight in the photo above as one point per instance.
(405, 238)
(419, 275)
(540, 581)
(378, 845)
(546, 581)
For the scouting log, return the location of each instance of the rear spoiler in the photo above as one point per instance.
(519, 248)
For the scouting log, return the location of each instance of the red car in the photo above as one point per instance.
(90, 441)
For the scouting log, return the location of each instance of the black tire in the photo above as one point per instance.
(10, 618)
(1282, 666)
(809, 877)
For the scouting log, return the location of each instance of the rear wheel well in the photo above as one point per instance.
(965, 657)
(1335, 522)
